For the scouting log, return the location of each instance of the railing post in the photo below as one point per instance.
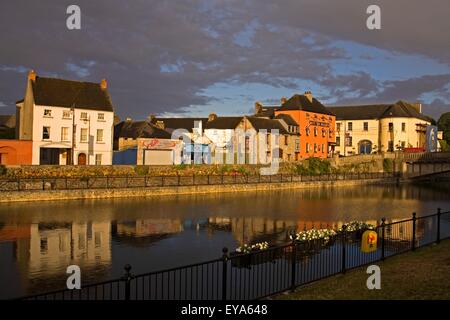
(162, 181)
(438, 231)
(344, 245)
(413, 243)
(383, 236)
(193, 179)
(294, 258)
(225, 259)
(127, 278)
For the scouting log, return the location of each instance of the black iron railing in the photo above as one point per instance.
(267, 272)
(116, 182)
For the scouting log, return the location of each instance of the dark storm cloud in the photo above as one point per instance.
(159, 56)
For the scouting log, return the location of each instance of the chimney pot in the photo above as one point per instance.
(258, 107)
(308, 94)
(32, 75)
(103, 84)
(283, 100)
(212, 117)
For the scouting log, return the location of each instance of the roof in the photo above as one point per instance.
(71, 94)
(269, 124)
(267, 111)
(400, 109)
(180, 123)
(8, 121)
(287, 118)
(224, 123)
(139, 129)
(301, 102)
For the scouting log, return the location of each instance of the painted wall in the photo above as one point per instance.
(56, 121)
(15, 152)
(320, 141)
(358, 135)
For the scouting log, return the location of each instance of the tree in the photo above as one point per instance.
(444, 125)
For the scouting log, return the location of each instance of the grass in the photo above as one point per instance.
(420, 275)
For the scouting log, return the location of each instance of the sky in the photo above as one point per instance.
(192, 58)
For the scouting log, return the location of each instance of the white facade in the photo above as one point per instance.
(87, 133)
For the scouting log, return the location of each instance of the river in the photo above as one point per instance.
(38, 240)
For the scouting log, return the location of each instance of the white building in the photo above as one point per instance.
(369, 129)
(69, 122)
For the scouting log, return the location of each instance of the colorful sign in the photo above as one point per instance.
(369, 241)
(161, 144)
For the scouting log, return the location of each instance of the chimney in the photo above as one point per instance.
(152, 119)
(258, 107)
(212, 117)
(283, 100)
(32, 75)
(160, 124)
(417, 106)
(308, 94)
(104, 84)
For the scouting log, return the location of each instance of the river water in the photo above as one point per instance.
(39, 240)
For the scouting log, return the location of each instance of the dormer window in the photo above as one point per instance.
(47, 113)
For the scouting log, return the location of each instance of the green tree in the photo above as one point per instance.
(444, 125)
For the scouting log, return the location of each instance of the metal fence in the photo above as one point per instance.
(266, 272)
(116, 182)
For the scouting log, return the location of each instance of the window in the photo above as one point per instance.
(84, 116)
(307, 147)
(390, 146)
(315, 131)
(101, 116)
(47, 113)
(67, 114)
(307, 131)
(297, 145)
(391, 127)
(323, 148)
(350, 126)
(403, 127)
(99, 135)
(315, 147)
(286, 140)
(64, 134)
(338, 127)
(84, 135)
(338, 141)
(366, 126)
(403, 144)
(348, 141)
(98, 159)
(46, 133)
(324, 132)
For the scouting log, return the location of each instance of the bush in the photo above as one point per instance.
(313, 166)
(2, 170)
(141, 170)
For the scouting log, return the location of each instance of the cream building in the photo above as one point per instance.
(369, 129)
(69, 122)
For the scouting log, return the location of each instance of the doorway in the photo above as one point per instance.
(82, 159)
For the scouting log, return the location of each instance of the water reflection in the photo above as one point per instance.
(39, 240)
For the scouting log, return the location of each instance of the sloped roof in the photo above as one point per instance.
(139, 129)
(287, 118)
(68, 94)
(400, 109)
(301, 102)
(8, 121)
(269, 124)
(223, 123)
(172, 124)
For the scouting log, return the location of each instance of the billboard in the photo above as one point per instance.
(431, 139)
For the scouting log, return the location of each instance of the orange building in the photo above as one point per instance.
(316, 125)
(15, 152)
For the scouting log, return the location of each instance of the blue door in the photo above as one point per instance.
(365, 147)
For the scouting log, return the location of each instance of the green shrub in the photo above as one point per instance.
(225, 168)
(242, 170)
(3, 170)
(141, 170)
(182, 166)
